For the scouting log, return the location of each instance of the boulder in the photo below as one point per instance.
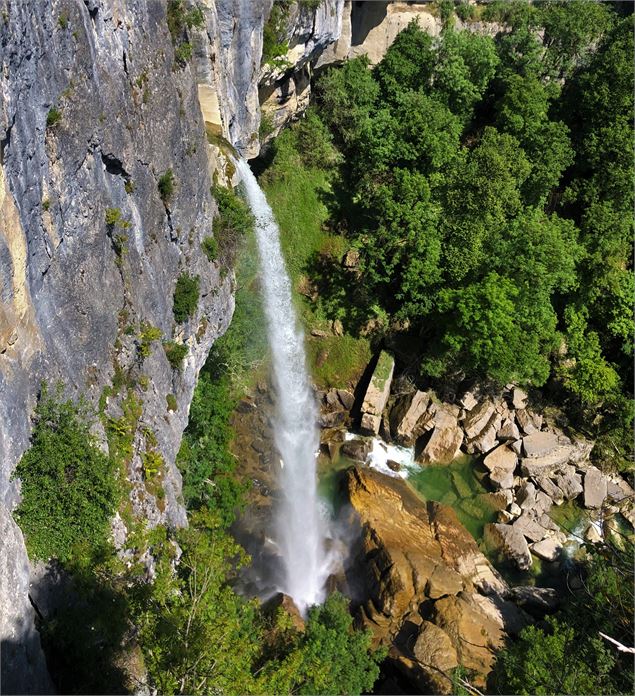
(528, 422)
(509, 542)
(486, 439)
(517, 446)
(434, 650)
(370, 424)
(357, 450)
(515, 510)
(508, 431)
(548, 549)
(476, 634)
(618, 490)
(468, 401)
(539, 444)
(445, 442)
(593, 535)
(347, 398)
(405, 416)
(478, 418)
(570, 484)
(332, 419)
(502, 479)
(503, 457)
(529, 527)
(519, 398)
(546, 464)
(526, 496)
(550, 488)
(538, 601)
(377, 393)
(595, 488)
(543, 502)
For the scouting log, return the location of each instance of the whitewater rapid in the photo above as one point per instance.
(299, 524)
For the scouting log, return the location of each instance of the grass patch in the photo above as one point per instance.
(298, 193)
(175, 353)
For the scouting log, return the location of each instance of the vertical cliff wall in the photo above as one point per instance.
(93, 111)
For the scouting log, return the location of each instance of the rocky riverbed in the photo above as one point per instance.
(430, 588)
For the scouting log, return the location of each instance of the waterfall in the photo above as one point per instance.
(298, 524)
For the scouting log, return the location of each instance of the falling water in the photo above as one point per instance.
(299, 524)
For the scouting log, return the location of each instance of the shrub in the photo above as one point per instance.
(171, 402)
(174, 352)
(210, 247)
(62, 20)
(274, 45)
(148, 334)
(180, 20)
(115, 219)
(53, 117)
(166, 185)
(46, 204)
(69, 491)
(186, 294)
(465, 11)
(152, 463)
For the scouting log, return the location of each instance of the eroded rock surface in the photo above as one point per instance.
(421, 568)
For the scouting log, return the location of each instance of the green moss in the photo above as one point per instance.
(210, 248)
(171, 402)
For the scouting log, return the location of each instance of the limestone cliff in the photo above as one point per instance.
(93, 111)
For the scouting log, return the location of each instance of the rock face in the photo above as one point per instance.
(377, 393)
(75, 290)
(422, 571)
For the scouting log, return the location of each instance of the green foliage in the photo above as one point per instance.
(53, 117)
(175, 353)
(274, 44)
(233, 222)
(69, 489)
(210, 248)
(568, 656)
(152, 463)
(115, 219)
(166, 186)
(170, 400)
(180, 19)
(186, 294)
(62, 20)
(148, 334)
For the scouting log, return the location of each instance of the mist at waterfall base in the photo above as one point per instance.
(300, 524)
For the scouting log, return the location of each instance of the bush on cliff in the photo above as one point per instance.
(69, 490)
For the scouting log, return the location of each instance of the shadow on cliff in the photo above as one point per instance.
(85, 632)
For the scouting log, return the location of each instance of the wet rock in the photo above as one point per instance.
(445, 442)
(332, 419)
(509, 542)
(592, 534)
(595, 488)
(357, 450)
(332, 399)
(377, 393)
(393, 465)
